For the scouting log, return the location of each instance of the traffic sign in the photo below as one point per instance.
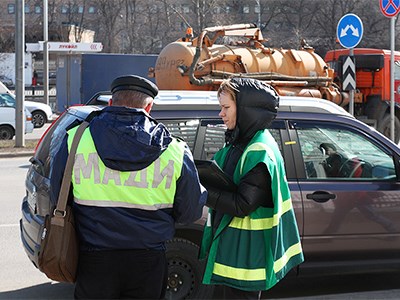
(389, 8)
(349, 74)
(349, 30)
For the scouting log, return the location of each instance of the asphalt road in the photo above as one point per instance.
(19, 279)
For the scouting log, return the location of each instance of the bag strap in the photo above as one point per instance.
(66, 181)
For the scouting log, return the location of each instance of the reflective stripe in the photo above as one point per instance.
(258, 147)
(261, 224)
(292, 251)
(103, 175)
(239, 273)
(256, 274)
(208, 224)
(86, 168)
(107, 203)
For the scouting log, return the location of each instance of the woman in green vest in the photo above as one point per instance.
(251, 238)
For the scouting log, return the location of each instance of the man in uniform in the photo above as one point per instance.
(131, 182)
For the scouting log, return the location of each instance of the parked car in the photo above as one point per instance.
(41, 113)
(348, 217)
(7, 81)
(7, 118)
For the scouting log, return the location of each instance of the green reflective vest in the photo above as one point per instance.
(253, 253)
(151, 188)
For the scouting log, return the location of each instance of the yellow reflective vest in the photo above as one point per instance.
(151, 188)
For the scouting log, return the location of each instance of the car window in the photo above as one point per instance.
(214, 140)
(275, 131)
(208, 134)
(6, 100)
(185, 129)
(336, 152)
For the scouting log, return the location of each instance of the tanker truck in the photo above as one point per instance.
(202, 64)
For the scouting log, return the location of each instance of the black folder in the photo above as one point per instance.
(212, 175)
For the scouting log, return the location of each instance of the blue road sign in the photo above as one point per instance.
(349, 30)
(389, 8)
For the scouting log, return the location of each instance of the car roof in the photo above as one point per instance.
(202, 100)
(207, 100)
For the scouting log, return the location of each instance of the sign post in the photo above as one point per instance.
(349, 33)
(390, 8)
(19, 74)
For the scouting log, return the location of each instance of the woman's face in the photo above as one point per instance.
(228, 110)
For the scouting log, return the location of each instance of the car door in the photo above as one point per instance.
(211, 137)
(351, 193)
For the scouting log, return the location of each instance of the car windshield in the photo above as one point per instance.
(7, 101)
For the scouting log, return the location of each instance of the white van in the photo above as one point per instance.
(7, 117)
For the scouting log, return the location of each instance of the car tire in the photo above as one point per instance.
(6, 132)
(38, 119)
(185, 271)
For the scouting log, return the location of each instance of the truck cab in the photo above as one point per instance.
(372, 95)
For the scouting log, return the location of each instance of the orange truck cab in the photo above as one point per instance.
(372, 95)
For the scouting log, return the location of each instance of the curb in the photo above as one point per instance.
(16, 154)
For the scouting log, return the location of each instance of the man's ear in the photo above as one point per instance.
(149, 107)
(110, 102)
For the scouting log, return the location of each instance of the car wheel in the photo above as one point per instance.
(6, 133)
(38, 119)
(185, 271)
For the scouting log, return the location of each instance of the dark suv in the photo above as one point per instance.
(343, 175)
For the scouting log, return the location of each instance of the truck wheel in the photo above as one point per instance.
(185, 271)
(38, 119)
(6, 133)
(384, 127)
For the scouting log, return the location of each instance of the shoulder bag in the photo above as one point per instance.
(59, 247)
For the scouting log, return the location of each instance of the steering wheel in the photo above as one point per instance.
(332, 164)
(351, 168)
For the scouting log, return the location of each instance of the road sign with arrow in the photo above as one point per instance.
(349, 30)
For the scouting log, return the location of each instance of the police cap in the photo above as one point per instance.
(135, 83)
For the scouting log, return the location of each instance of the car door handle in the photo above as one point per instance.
(321, 196)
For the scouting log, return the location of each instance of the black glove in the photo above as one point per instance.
(213, 197)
